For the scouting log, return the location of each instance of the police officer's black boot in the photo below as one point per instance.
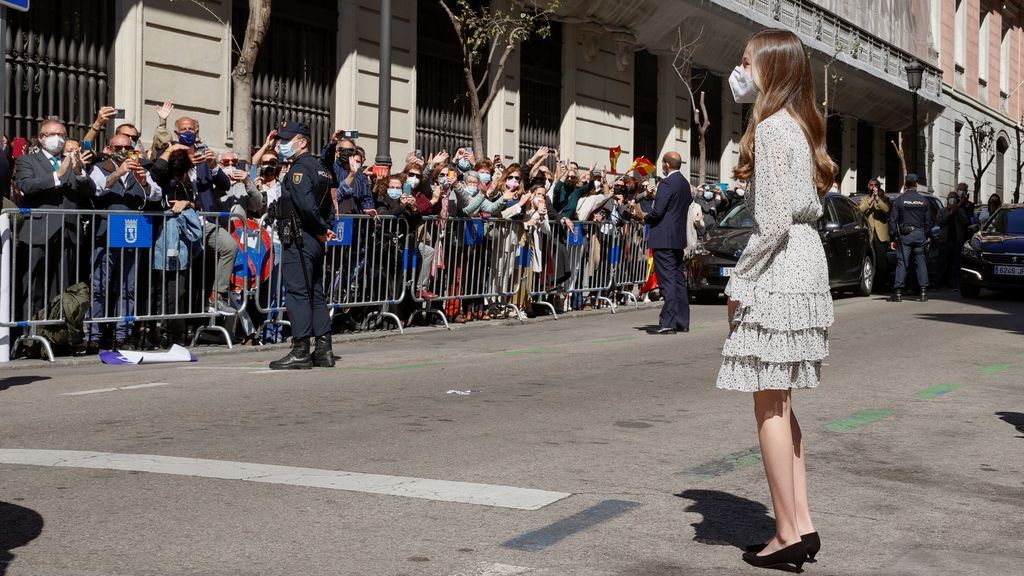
(297, 359)
(897, 296)
(924, 295)
(323, 356)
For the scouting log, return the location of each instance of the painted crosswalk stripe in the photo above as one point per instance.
(424, 488)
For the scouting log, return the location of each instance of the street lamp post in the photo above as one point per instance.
(914, 72)
(384, 88)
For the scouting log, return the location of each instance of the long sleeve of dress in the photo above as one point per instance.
(773, 212)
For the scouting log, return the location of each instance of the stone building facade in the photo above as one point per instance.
(604, 78)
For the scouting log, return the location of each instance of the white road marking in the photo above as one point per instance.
(102, 390)
(488, 569)
(84, 392)
(442, 490)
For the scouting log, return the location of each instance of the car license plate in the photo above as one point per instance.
(1009, 270)
(727, 272)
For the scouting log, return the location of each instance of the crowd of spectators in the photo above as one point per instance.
(181, 176)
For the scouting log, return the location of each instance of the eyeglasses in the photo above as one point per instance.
(229, 162)
(121, 148)
(48, 134)
(268, 165)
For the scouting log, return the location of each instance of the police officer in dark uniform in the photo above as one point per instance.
(910, 222)
(303, 224)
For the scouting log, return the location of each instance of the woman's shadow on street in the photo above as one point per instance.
(18, 527)
(728, 520)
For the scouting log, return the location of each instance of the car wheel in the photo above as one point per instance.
(867, 277)
(969, 290)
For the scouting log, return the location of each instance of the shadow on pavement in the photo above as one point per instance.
(1015, 419)
(1005, 313)
(18, 527)
(6, 383)
(729, 520)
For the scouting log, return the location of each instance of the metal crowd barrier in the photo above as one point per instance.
(136, 274)
(466, 259)
(113, 267)
(368, 265)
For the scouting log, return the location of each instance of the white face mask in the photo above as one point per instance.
(413, 181)
(744, 91)
(53, 144)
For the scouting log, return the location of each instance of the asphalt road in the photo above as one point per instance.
(915, 462)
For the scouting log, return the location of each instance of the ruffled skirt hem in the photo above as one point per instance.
(753, 375)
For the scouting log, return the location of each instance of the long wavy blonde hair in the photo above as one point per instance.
(782, 72)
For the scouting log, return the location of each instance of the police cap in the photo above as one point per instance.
(290, 130)
(911, 178)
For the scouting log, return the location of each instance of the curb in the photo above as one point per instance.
(212, 351)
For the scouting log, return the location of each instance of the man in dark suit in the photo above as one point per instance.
(48, 244)
(667, 220)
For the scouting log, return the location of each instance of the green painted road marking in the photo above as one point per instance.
(993, 369)
(398, 367)
(526, 351)
(859, 419)
(937, 391)
(613, 340)
(731, 462)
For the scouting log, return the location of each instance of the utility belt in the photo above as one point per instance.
(904, 229)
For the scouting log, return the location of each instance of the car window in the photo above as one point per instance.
(1007, 221)
(845, 210)
(830, 211)
(738, 217)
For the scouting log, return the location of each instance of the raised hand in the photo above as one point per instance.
(164, 111)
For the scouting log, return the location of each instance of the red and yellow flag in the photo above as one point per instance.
(613, 155)
(643, 166)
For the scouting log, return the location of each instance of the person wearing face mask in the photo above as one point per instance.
(709, 207)
(242, 198)
(122, 183)
(780, 303)
(208, 183)
(355, 195)
(48, 245)
(303, 224)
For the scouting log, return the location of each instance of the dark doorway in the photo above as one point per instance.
(865, 155)
(834, 142)
(645, 106)
(540, 94)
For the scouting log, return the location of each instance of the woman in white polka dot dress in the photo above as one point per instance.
(780, 307)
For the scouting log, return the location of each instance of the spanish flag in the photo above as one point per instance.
(613, 155)
(643, 166)
(652, 278)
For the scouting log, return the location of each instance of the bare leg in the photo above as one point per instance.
(772, 410)
(803, 508)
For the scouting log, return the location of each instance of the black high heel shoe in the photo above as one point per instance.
(795, 555)
(811, 540)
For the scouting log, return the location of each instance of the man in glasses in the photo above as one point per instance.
(242, 198)
(48, 244)
(122, 184)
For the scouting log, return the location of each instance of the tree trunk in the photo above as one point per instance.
(898, 145)
(241, 76)
(702, 163)
(476, 130)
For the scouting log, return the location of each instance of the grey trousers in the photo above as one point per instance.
(220, 243)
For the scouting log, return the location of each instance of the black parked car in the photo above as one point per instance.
(994, 257)
(844, 235)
